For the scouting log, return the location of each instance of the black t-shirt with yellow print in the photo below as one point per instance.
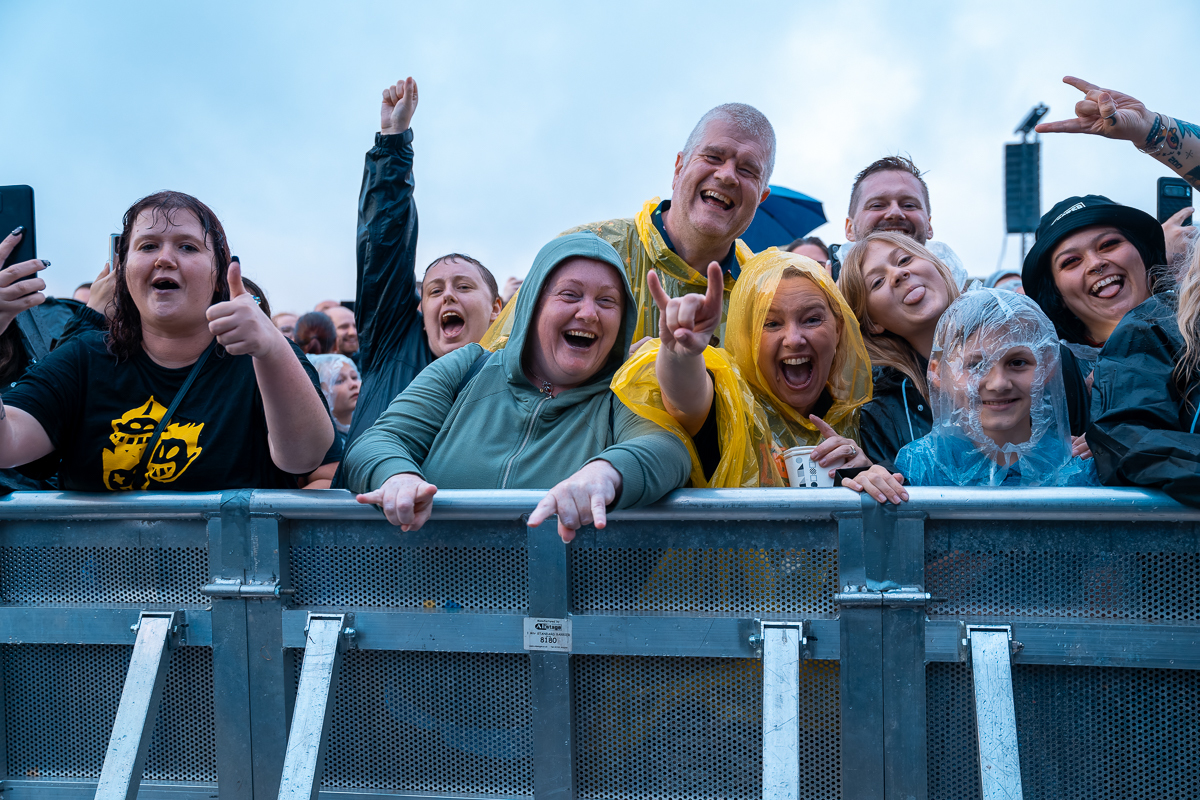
(100, 413)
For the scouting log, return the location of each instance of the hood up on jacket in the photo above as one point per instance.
(575, 245)
(976, 333)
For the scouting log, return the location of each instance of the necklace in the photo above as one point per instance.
(546, 386)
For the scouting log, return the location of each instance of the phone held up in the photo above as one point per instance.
(1173, 194)
(16, 210)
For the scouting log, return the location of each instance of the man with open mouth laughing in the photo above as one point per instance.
(399, 331)
(721, 176)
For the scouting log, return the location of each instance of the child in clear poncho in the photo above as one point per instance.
(794, 373)
(999, 405)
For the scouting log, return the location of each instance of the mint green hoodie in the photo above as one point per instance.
(502, 433)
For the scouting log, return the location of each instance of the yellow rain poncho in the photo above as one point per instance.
(753, 425)
(642, 248)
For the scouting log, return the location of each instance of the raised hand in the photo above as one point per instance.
(580, 500)
(405, 499)
(399, 105)
(686, 324)
(240, 325)
(836, 450)
(20, 288)
(102, 292)
(1104, 112)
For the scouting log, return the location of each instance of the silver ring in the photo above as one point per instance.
(853, 451)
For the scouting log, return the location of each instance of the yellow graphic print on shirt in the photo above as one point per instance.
(177, 448)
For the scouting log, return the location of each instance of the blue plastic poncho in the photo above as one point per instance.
(976, 333)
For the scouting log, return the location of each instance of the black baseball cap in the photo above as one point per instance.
(1069, 216)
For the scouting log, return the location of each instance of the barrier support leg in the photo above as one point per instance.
(781, 708)
(995, 713)
(124, 761)
(304, 760)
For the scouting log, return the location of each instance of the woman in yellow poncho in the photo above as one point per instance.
(794, 373)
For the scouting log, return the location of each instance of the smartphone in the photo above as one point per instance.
(16, 208)
(1173, 194)
(113, 238)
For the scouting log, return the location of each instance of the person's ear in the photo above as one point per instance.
(849, 230)
(766, 193)
(874, 328)
(497, 305)
(929, 229)
(934, 374)
(678, 169)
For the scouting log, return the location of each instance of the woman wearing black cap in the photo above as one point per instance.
(1146, 397)
(1094, 261)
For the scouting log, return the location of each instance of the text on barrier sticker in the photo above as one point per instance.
(553, 635)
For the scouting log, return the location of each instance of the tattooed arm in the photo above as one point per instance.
(1108, 113)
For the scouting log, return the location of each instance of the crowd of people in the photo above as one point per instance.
(637, 356)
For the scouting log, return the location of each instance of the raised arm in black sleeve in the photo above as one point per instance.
(1143, 430)
(392, 343)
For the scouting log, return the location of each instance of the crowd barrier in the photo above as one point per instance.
(721, 644)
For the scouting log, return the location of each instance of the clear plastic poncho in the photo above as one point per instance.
(754, 426)
(976, 333)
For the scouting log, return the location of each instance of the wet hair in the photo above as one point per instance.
(888, 349)
(315, 334)
(125, 329)
(1071, 327)
(815, 241)
(887, 164)
(489, 279)
(749, 121)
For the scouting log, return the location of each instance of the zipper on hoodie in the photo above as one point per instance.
(525, 440)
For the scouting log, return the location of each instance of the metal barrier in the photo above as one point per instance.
(733, 643)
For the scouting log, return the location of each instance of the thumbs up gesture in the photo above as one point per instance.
(239, 324)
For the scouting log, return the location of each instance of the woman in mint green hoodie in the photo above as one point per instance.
(524, 416)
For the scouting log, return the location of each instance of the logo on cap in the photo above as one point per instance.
(1075, 207)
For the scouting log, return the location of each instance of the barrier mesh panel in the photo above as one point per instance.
(1090, 733)
(757, 581)
(692, 727)
(430, 722)
(475, 578)
(61, 700)
(42, 575)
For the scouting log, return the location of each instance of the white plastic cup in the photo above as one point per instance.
(803, 472)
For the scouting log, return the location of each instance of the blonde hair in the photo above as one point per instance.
(888, 349)
(1188, 315)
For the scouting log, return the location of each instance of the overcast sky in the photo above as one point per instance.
(537, 117)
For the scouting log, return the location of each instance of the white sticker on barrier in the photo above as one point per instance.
(548, 634)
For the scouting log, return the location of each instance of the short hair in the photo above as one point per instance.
(87, 285)
(888, 164)
(815, 241)
(315, 333)
(748, 120)
(488, 278)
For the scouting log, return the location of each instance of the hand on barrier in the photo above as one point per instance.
(1104, 112)
(101, 297)
(837, 450)
(686, 324)
(240, 325)
(884, 486)
(405, 499)
(579, 500)
(20, 288)
(399, 105)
